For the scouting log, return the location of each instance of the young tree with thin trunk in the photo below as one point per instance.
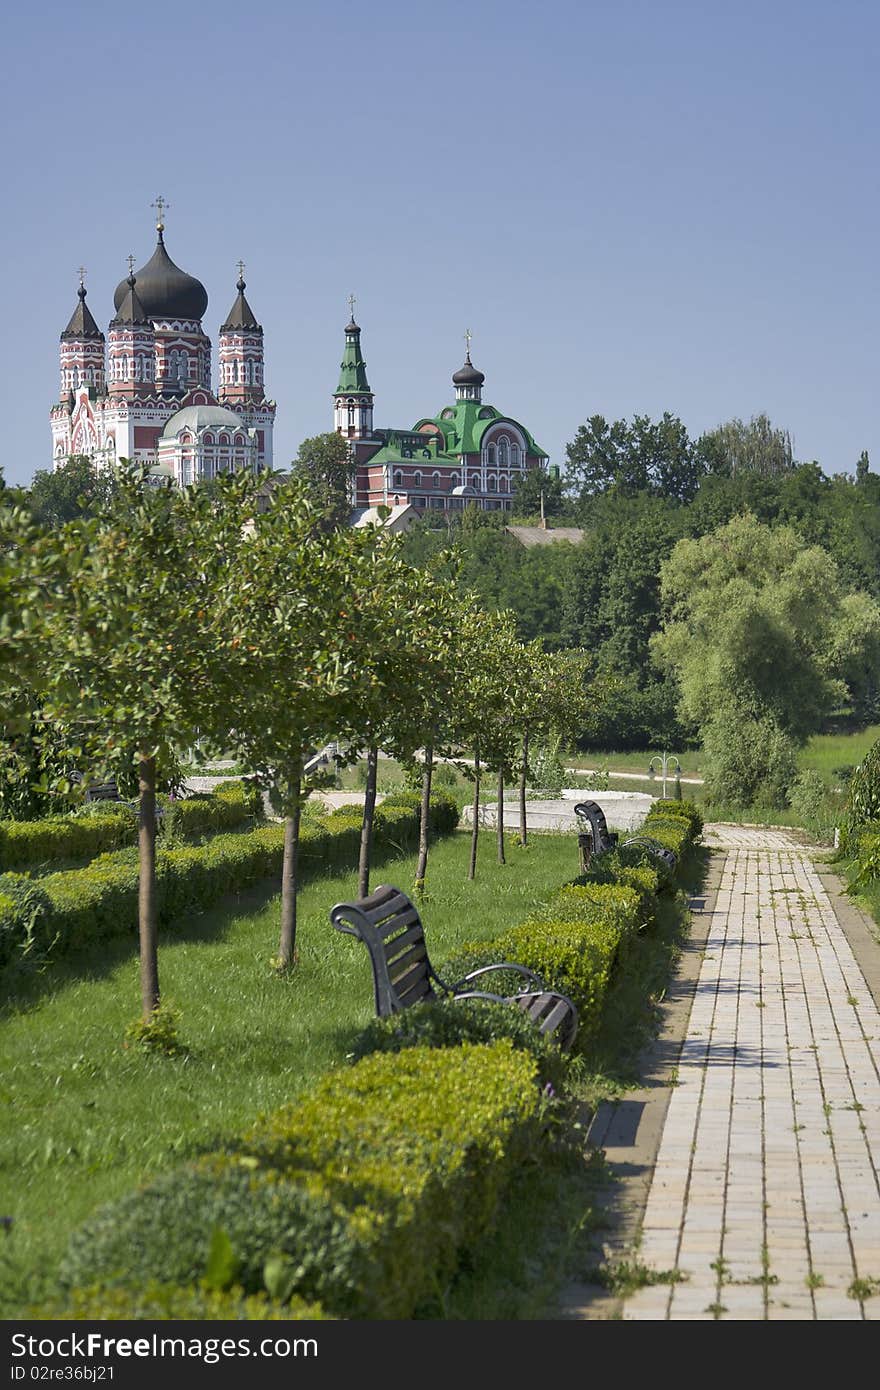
(136, 645)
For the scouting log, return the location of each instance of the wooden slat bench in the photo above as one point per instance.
(390, 926)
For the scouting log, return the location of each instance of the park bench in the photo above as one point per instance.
(596, 839)
(109, 791)
(388, 923)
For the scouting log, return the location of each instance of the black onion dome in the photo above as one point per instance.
(468, 375)
(164, 290)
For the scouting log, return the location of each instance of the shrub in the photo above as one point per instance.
(571, 943)
(163, 1302)
(363, 1196)
(748, 761)
(102, 827)
(817, 808)
(688, 809)
(445, 1023)
(444, 775)
(24, 844)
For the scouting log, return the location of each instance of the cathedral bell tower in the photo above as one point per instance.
(353, 399)
(241, 352)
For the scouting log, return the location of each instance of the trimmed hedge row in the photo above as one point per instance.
(163, 1302)
(362, 1197)
(24, 844)
(571, 942)
(84, 905)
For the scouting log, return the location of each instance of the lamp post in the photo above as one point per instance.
(664, 762)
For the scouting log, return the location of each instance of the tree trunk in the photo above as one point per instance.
(367, 826)
(472, 867)
(149, 948)
(524, 772)
(499, 818)
(287, 941)
(427, 774)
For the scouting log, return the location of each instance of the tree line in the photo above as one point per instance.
(242, 617)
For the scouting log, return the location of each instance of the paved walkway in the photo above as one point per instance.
(764, 1200)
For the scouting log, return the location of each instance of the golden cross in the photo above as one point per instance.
(467, 339)
(130, 260)
(82, 275)
(351, 303)
(241, 270)
(160, 205)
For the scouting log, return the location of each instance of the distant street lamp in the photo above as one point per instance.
(664, 762)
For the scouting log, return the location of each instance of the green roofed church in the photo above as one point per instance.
(469, 453)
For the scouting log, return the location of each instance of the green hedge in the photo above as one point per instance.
(163, 1302)
(25, 844)
(445, 1023)
(363, 1196)
(79, 906)
(571, 942)
(686, 809)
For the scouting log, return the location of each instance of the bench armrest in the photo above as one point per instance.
(480, 994)
(502, 965)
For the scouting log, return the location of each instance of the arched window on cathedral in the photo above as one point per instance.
(514, 456)
(475, 481)
(224, 439)
(435, 480)
(417, 480)
(491, 483)
(503, 453)
(398, 478)
(490, 455)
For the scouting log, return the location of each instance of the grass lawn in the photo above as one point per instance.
(83, 1119)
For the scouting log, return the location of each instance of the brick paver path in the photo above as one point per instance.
(765, 1193)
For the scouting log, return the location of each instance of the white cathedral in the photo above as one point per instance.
(144, 393)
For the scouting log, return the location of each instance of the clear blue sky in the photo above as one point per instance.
(635, 206)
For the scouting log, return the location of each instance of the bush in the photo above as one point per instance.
(687, 809)
(24, 844)
(445, 1023)
(749, 762)
(105, 826)
(571, 943)
(163, 1302)
(817, 808)
(863, 804)
(363, 1196)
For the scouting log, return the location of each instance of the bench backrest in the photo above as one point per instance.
(592, 812)
(389, 925)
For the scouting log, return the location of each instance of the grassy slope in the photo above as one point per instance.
(82, 1119)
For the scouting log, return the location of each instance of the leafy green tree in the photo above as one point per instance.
(538, 489)
(136, 644)
(324, 464)
(754, 447)
(644, 456)
(862, 467)
(308, 608)
(77, 488)
(752, 635)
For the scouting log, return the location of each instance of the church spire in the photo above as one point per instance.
(468, 380)
(82, 348)
(353, 399)
(241, 352)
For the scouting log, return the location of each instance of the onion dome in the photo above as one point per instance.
(164, 290)
(130, 310)
(241, 315)
(468, 375)
(82, 325)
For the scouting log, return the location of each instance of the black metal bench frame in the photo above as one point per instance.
(596, 839)
(388, 922)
